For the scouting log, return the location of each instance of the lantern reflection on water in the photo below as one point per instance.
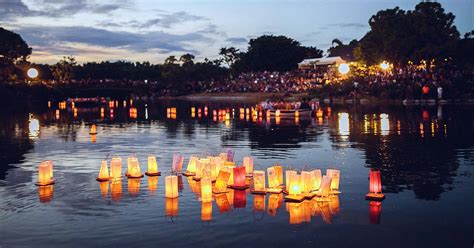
(177, 165)
(171, 186)
(325, 212)
(206, 211)
(45, 193)
(104, 188)
(295, 212)
(104, 172)
(259, 203)
(375, 186)
(222, 203)
(375, 208)
(45, 173)
(274, 203)
(116, 168)
(335, 175)
(273, 183)
(133, 168)
(221, 182)
(191, 169)
(259, 182)
(116, 190)
(240, 199)
(334, 204)
(133, 186)
(171, 207)
(152, 184)
(248, 164)
(206, 190)
(152, 167)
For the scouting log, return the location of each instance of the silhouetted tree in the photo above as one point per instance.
(63, 70)
(344, 51)
(12, 50)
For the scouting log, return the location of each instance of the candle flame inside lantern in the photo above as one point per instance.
(93, 129)
(45, 173)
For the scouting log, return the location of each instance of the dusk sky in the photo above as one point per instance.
(151, 30)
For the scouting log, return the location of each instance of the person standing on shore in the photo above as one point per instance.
(440, 92)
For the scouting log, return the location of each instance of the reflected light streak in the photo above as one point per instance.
(384, 124)
(33, 127)
(344, 128)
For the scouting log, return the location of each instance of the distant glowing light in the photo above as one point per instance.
(384, 124)
(344, 128)
(32, 73)
(343, 68)
(34, 127)
(384, 65)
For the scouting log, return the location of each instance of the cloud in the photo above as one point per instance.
(12, 8)
(166, 20)
(236, 40)
(347, 25)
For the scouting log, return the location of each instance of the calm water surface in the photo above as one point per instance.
(425, 156)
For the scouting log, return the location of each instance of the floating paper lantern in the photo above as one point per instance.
(273, 183)
(259, 182)
(295, 190)
(104, 188)
(200, 165)
(319, 113)
(222, 203)
(45, 173)
(230, 169)
(171, 207)
(206, 190)
(221, 182)
(306, 184)
(177, 165)
(116, 190)
(124, 103)
(191, 169)
(279, 174)
(171, 186)
(49, 104)
(259, 203)
(104, 172)
(133, 166)
(206, 211)
(297, 114)
(239, 178)
(152, 167)
(180, 183)
(152, 184)
(288, 174)
(277, 113)
(375, 186)
(335, 175)
(223, 156)
(45, 193)
(116, 168)
(248, 164)
(375, 208)
(240, 199)
(93, 129)
(325, 187)
(316, 179)
(134, 186)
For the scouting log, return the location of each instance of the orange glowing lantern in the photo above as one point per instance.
(45, 173)
(191, 169)
(259, 203)
(152, 184)
(297, 114)
(134, 186)
(273, 204)
(133, 168)
(171, 207)
(152, 167)
(375, 208)
(223, 156)
(240, 199)
(171, 186)
(206, 211)
(206, 190)
(306, 184)
(279, 174)
(124, 103)
(104, 172)
(375, 186)
(325, 187)
(273, 182)
(296, 189)
(116, 190)
(104, 188)
(111, 104)
(319, 113)
(259, 182)
(178, 161)
(221, 182)
(248, 164)
(239, 178)
(49, 104)
(335, 175)
(316, 179)
(116, 168)
(200, 166)
(45, 193)
(288, 174)
(230, 169)
(222, 203)
(93, 129)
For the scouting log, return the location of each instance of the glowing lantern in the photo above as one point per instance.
(152, 167)
(297, 114)
(279, 174)
(288, 174)
(316, 179)
(221, 182)
(133, 168)
(375, 208)
(45, 193)
(116, 190)
(133, 186)
(191, 169)
(240, 199)
(295, 189)
(306, 183)
(58, 114)
(206, 190)
(259, 182)
(384, 65)
(116, 168)
(343, 68)
(230, 169)
(124, 103)
(248, 164)
(152, 184)
(178, 161)
(277, 113)
(171, 186)
(375, 186)
(325, 187)
(239, 178)
(171, 207)
(319, 113)
(259, 203)
(223, 156)
(200, 166)
(335, 175)
(93, 129)
(206, 211)
(222, 203)
(45, 173)
(104, 172)
(104, 188)
(273, 183)
(49, 104)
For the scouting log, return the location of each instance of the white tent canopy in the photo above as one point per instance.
(312, 63)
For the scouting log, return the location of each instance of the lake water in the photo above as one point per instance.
(425, 155)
